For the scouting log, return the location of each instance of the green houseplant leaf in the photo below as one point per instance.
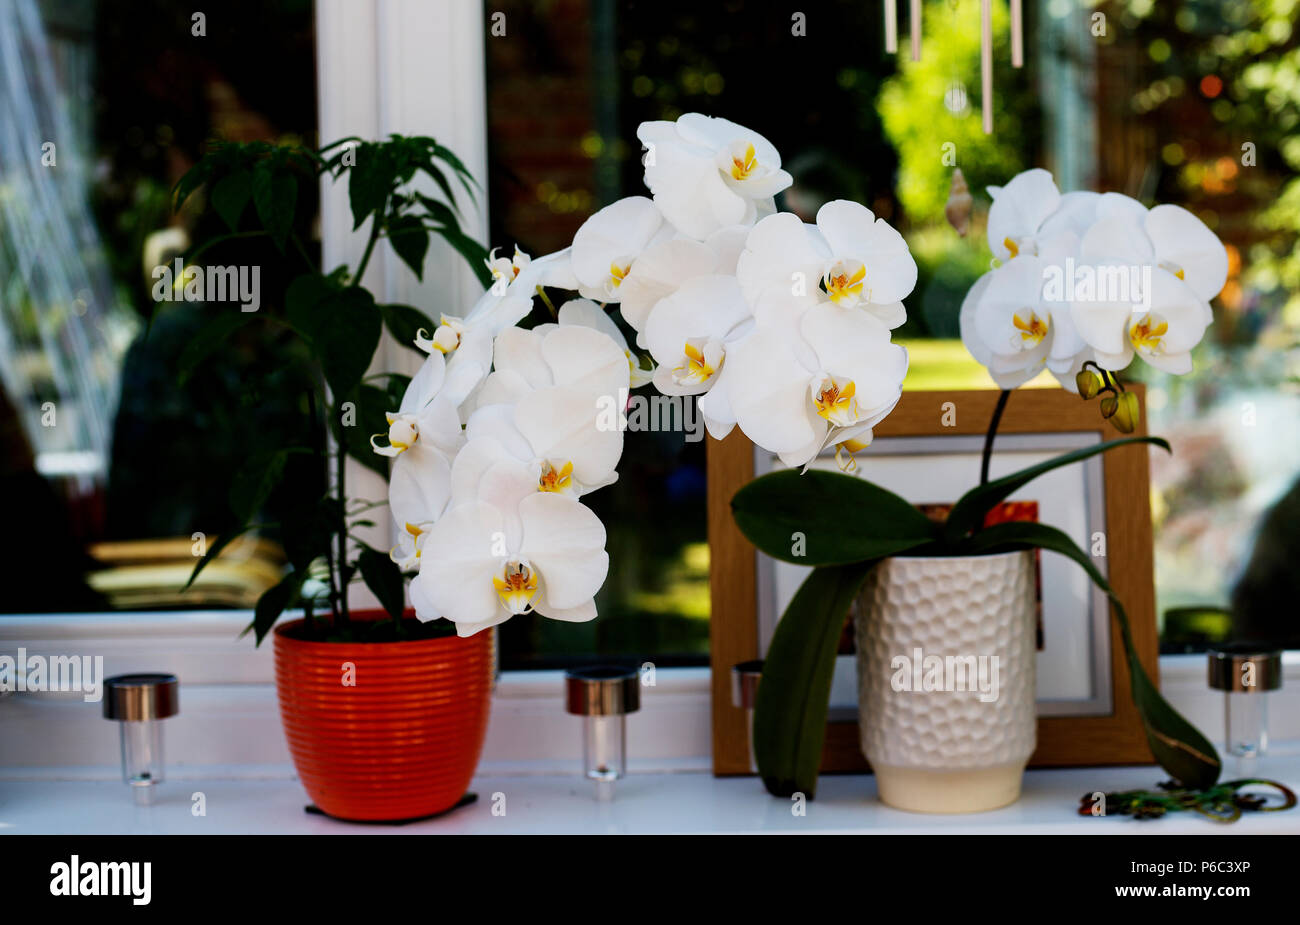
(230, 196)
(825, 518)
(1178, 746)
(383, 577)
(969, 512)
(793, 697)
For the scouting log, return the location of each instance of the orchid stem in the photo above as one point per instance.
(549, 304)
(992, 432)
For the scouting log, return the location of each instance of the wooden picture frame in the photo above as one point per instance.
(1112, 739)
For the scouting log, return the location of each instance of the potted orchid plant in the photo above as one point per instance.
(782, 329)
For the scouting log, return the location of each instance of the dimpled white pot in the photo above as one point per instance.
(948, 751)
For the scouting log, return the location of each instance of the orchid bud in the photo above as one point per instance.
(1109, 405)
(1089, 384)
(1127, 414)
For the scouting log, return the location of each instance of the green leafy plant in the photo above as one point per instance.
(793, 698)
(256, 189)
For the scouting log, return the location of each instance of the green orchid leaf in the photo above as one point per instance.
(1178, 746)
(794, 693)
(969, 512)
(826, 518)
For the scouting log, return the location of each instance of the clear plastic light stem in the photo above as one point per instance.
(604, 751)
(142, 757)
(1246, 716)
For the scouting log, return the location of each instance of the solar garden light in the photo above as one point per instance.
(1246, 675)
(603, 696)
(140, 702)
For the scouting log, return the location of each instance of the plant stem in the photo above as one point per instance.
(341, 469)
(329, 548)
(375, 224)
(993, 432)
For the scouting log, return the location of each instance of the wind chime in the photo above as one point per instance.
(986, 43)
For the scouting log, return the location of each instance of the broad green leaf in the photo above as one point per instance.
(342, 325)
(257, 478)
(441, 179)
(370, 181)
(825, 518)
(410, 240)
(367, 419)
(208, 338)
(794, 693)
(275, 193)
(231, 195)
(273, 602)
(383, 577)
(403, 322)
(1178, 746)
(475, 254)
(314, 526)
(969, 512)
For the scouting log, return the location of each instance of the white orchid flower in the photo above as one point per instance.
(689, 332)
(608, 244)
(512, 550)
(1167, 237)
(1009, 326)
(426, 417)
(1162, 332)
(707, 173)
(506, 268)
(554, 432)
(804, 382)
(667, 265)
(588, 314)
(551, 354)
(849, 258)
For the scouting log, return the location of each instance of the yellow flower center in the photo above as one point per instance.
(1032, 329)
(695, 368)
(557, 480)
(1011, 246)
(516, 586)
(1147, 333)
(743, 165)
(844, 282)
(415, 533)
(617, 273)
(836, 403)
(845, 451)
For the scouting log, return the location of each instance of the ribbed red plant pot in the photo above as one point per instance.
(384, 731)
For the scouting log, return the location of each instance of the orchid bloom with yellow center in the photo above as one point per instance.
(702, 358)
(1147, 334)
(1032, 328)
(445, 339)
(744, 163)
(844, 283)
(836, 401)
(506, 268)
(403, 432)
(409, 546)
(555, 479)
(618, 270)
(516, 586)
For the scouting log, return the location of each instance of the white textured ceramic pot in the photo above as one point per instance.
(946, 658)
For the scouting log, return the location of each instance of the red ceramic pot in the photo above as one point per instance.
(400, 743)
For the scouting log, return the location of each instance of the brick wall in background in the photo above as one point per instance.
(541, 124)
